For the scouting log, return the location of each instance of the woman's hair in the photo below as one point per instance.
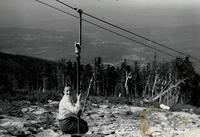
(66, 85)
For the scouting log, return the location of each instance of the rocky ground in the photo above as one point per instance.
(105, 119)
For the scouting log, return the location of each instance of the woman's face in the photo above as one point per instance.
(67, 90)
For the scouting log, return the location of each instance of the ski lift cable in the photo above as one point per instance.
(114, 32)
(130, 32)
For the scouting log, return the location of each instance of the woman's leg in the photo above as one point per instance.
(83, 126)
(70, 126)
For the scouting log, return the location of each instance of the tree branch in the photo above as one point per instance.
(88, 92)
(164, 92)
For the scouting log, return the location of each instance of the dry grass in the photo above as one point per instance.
(144, 122)
(185, 122)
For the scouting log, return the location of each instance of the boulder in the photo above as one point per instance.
(111, 135)
(11, 122)
(104, 106)
(165, 107)
(54, 104)
(48, 133)
(108, 131)
(39, 111)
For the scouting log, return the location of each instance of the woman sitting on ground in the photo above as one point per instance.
(68, 114)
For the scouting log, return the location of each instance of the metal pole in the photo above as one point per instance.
(80, 27)
(78, 55)
(77, 51)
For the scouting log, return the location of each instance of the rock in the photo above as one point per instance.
(48, 133)
(137, 109)
(95, 116)
(94, 129)
(18, 133)
(156, 134)
(164, 123)
(108, 131)
(37, 124)
(104, 106)
(89, 132)
(15, 132)
(54, 103)
(111, 135)
(5, 124)
(18, 124)
(165, 107)
(27, 132)
(28, 109)
(11, 122)
(32, 130)
(49, 100)
(24, 110)
(95, 105)
(39, 111)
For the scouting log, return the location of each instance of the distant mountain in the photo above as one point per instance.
(22, 60)
(53, 45)
(35, 42)
(22, 72)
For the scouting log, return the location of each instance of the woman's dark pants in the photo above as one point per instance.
(70, 125)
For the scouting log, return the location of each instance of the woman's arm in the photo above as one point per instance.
(70, 107)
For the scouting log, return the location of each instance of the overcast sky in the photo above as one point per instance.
(138, 13)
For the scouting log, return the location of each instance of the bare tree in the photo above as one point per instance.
(163, 92)
(128, 76)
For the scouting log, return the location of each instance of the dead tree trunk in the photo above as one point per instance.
(44, 83)
(145, 89)
(88, 92)
(164, 92)
(154, 85)
(128, 76)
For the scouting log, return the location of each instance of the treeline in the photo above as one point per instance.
(167, 82)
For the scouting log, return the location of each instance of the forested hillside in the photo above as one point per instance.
(167, 82)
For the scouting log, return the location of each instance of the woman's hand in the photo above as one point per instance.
(78, 97)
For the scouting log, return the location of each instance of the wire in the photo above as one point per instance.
(66, 5)
(68, 1)
(116, 33)
(56, 8)
(133, 33)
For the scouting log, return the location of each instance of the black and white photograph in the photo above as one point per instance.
(99, 68)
